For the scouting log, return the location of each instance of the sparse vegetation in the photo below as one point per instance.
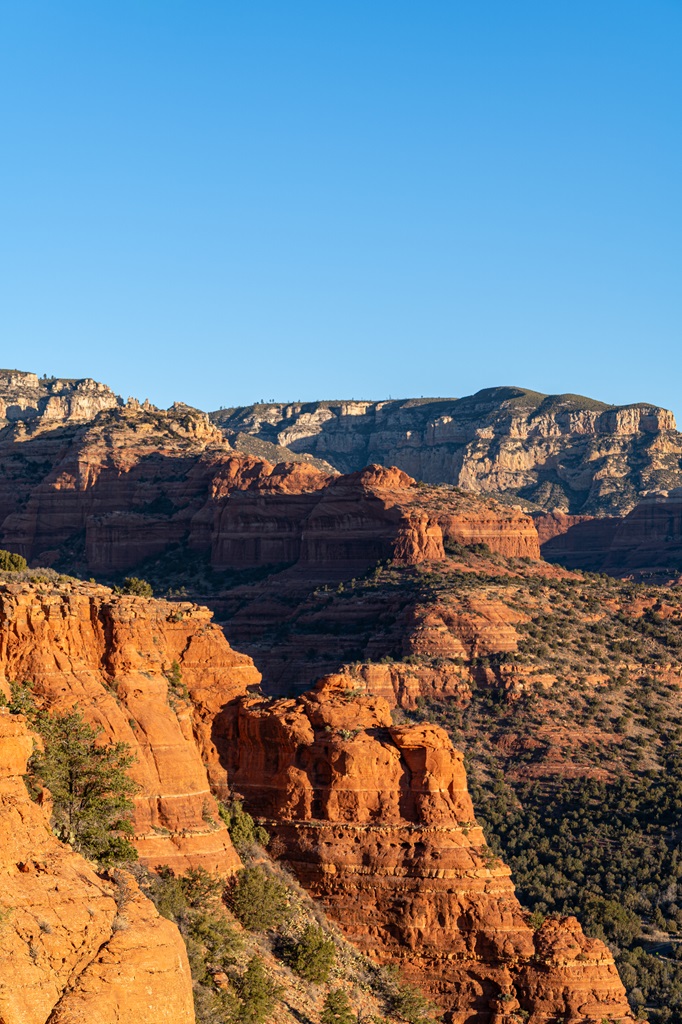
(87, 778)
(242, 828)
(138, 587)
(337, 1008)
(10, 562)
(314, 955)
(258, 899)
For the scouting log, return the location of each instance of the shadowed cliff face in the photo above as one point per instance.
(65, 951)
(561, 452)
(376, 821)
(79, 644)
(646, 543)
(137, 483)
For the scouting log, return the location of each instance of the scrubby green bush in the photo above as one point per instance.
(193, 902)
(136, 586)
(258, 899)
(241, 826)
(313, 955)
(257, 994)
(337, 1008)
(9, 562)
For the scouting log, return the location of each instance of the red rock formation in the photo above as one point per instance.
(377, 823)
(559, 451)
(578, 542)
(111, 655)
(68, 952)
(647, 540)
(137, 482)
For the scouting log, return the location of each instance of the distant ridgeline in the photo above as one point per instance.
(552, 452)
(602, 481)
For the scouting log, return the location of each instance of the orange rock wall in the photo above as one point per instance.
(68, 952)
(79, 644)
(377, 822)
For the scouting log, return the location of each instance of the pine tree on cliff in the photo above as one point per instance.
(258, 995)
(314, 955)
(90, 787)
(337, 1008)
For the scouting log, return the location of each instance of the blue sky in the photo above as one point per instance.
(223, 202)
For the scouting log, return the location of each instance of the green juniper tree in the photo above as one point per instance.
(314, 955)
(9, 562)
(257, 994)
(259, 900)
(134, 585)
(90, 786)
(337, 1008)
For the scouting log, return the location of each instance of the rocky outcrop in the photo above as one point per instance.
(376, 821)
(31, 401)
(75, 946)
(560, 452)
(112, 656)
(647, 541)
(139, 482)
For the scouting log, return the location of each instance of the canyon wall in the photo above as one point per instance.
(560, 452)
(377, 823)
(28, 400)
(137, 483)
(80, 645)
(74, 945)
(647, 541)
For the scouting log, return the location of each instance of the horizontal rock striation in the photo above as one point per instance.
(71, 949)
(138, 482)
(561, 452)
(33, 401)
(112, 657)
(648, 540)
(376, 821)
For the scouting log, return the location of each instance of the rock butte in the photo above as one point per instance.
(68, 952)
(377, 823)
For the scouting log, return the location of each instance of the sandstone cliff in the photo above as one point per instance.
(557, 451)
(377, 823)
(80, 644)
(75, 946)
(646, 542)
(30, 401)
(137, 483)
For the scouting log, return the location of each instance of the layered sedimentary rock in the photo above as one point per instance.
(139, 482)
(33, 401)
(647, 539)
(75, 946)
(112, 656)
(561, 452)
(376, 821)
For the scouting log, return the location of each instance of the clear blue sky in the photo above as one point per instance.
(221, 201)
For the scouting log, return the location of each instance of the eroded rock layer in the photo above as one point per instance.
(645, 542)
(562, 452)
(112, 656)
(75, 946)
(137, 483)
(376, 821)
